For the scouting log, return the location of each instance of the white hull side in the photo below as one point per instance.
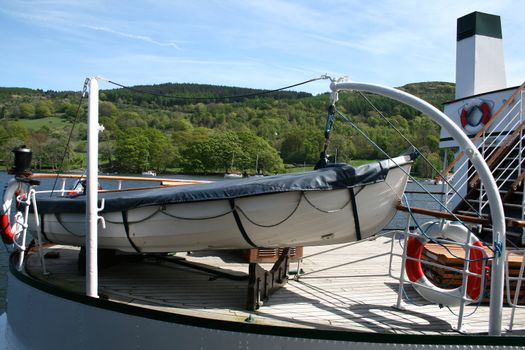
(39, 319)
(271, 220)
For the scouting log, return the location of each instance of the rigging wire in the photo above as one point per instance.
(66, 147)
(219, 98)
(347, 120)
(418, 151)
(264, 92)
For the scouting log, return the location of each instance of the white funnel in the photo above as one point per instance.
(480, 66)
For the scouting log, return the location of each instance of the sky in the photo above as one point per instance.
(265, 44)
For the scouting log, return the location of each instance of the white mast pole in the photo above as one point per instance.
(92, 192)
(496, 207)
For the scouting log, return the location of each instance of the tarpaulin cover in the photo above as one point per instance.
(337, 176)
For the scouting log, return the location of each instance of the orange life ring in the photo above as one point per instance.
(466, 113)
(8, 231)
(414, 270)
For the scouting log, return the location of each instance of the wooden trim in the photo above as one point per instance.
(515, 223)
(270, 255)
(509, 222)
(516, 182)
(514, 186)
(444, 215)
(123, 178)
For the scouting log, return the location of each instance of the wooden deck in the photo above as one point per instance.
(345, 289)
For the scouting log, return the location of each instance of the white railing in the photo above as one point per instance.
(514, 284)
(399, 255)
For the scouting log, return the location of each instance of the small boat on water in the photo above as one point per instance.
(232, 176)
(149, 173)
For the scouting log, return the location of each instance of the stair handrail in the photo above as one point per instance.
(481, 131)
(503, 146)
(502, 179)
(516, 183)
(511, 118)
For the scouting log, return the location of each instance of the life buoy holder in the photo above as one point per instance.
(414, 270)
(467, 112)
(8, 231)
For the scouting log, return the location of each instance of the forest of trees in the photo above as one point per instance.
(191, 128)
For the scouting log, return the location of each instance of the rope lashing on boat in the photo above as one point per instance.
(239, 224)
(420, 154)
(235, 210)
(277, 223)
(126, 229)
(196, 218)
(356, 214)
(159, 209)
(162, 210)
(301, 196)
(59, 220)
(330, 211)
(42, 230)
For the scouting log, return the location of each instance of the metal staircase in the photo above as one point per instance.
(504, 152)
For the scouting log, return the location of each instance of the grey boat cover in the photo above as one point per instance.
(336, 176)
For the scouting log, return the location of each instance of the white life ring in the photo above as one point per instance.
(450, 297)
(466, 112)
(8, 231)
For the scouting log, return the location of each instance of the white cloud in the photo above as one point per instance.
(263, 43)
(133, 36)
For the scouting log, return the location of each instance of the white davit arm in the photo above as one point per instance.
(496, 207)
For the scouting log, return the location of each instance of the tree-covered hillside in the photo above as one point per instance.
(194, 128)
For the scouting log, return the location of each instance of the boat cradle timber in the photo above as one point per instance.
(339, 203)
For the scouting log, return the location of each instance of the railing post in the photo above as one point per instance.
(92, 192)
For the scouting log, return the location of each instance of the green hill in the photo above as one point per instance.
(186, 118)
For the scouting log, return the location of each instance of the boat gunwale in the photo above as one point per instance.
(77, 210)
(260, 329)
(118, 178)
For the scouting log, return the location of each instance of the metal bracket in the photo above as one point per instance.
(263, 283)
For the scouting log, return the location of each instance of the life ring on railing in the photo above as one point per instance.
(467, 112)
(450, 297)
(7, 230)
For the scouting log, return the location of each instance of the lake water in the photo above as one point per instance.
(416, 199)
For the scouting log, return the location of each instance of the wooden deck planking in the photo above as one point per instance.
(342, 289)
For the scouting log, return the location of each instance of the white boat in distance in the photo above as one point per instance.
(149, 173)
(339, 203)
(233, 176)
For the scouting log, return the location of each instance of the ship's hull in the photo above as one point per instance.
(45, 316)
